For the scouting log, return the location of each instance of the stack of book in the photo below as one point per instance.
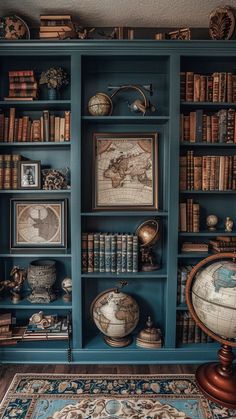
(104, 252)
(183, 272)
(218, 127)
(195, 247)
(223, 244)
(48, 127)
(187, 331)
(9, 171)
(22, 85)
(6, 322)
(207, 173)
(216, 87)
(189, 220)
(58, 331)
(55, 26)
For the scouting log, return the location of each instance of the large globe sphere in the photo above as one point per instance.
(116, 315)
(214, 298)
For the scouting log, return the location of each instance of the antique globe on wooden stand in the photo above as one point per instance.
(148, 234)
(116, 315)
(211, 299)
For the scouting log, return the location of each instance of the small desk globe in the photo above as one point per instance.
(211, 299)
(116, 315)
(148, 234)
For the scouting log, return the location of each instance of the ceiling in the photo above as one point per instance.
(139, 13)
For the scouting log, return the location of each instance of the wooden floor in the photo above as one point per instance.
(7, 372)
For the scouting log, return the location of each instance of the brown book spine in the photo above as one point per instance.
(84, 252)
(67, 126)
(204, 173)
(2, 117)
(183, 173)
(189, 86)
(208, 129)
(29, 133)
(217, 172)
(204, 128)
(230, 177)
(52, 128)
(209, 93)
(22, 79)
(192, 136)
(234, 173)
(234, 88)
(14, 176)
(46, 125)
(182, 86)
(196, 218)
(23, 93)
(197, 161)
(25, 128)
(221, 173)
(19, 133)
(212, 180)
(183, 217)
(226, 173)
(216, 81)
(7, 172)
(188, 170)
(214, 128)
(229, 87)
(196, 87)
(222, 87)
(191, 170)
(1, 172)
(36, 131)
(203, 88)
(15, 129)
(11, 124)
(186, 127)
(234, 127)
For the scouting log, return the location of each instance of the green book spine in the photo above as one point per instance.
(135, 253)
(90, 252)
(119, 254)
(107, 253)
(124, 253)
(113, 253)
(129, 253)
(96, 244)
(102, 253)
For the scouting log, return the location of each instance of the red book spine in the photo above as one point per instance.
(21, 73)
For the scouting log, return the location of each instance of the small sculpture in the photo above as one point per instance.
(148, 234)
(211, 222)
(229, 224)
(67, 288)
(222, 23)
(55, 179)
(41, 321)
(150, 336)
(41, 278)
(15, 285)
(84, 33)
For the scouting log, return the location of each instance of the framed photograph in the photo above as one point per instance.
(125, 171)
(29, 174)
(38, 224)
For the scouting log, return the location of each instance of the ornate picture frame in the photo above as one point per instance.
(38, 224)
(29, 174)
(125, 171)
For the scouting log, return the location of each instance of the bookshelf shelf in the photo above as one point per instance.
(208, 234)
(91, 65)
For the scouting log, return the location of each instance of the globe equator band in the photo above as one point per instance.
(216, 304)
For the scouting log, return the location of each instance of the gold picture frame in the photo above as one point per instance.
(125, 171)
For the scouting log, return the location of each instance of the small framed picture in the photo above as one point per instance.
(125, 171)
(38, 224)
(29, 174)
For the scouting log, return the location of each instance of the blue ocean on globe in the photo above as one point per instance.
(224, 278)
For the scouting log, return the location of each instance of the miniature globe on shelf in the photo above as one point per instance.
(67, 288)
(211, 299)
(100, 105)
(148, 234)
(13, 27)
(211, 222)
(116, 315)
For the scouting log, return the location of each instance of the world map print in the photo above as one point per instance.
(125, 172)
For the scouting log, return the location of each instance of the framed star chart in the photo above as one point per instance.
(125, 171)
(38, 224)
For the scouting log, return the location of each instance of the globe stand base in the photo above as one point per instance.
(119, 342)
(217, 381)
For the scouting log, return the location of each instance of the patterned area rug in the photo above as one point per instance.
(102, 397)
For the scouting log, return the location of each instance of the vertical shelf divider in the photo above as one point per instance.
(173, 193)
(75, 220)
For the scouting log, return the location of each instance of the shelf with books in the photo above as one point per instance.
(35, 192)
(211, 105)
(29, 144)
(36, 104)
(207, 233)
(229, 192)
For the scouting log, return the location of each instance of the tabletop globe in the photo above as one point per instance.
(100, 105)
(116, 315)
(211, 299)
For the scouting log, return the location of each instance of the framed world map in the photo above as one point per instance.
(38, 223)
(125, 171)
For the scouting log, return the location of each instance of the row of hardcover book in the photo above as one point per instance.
(46, 128)
(55, 26)
(6, 323)
(22, 85)
(215, 87)
(106, 252)
(218, 127)
(216, 245)
(9, 171)
(187, 331)
(183, 272)
(207, 173)
(189, 216)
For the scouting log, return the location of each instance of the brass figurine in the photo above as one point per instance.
(16, 283)
(67, 288)
(148, 234)
(229, 224)
(42, 321)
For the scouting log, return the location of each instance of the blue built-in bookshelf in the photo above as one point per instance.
(92, 65)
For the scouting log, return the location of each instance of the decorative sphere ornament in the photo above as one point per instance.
(148, 234)
(116, 315)
(100, 105)
(211, 222)
(13, 27)
(211, 299)
(67, 288)
(229, 224)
